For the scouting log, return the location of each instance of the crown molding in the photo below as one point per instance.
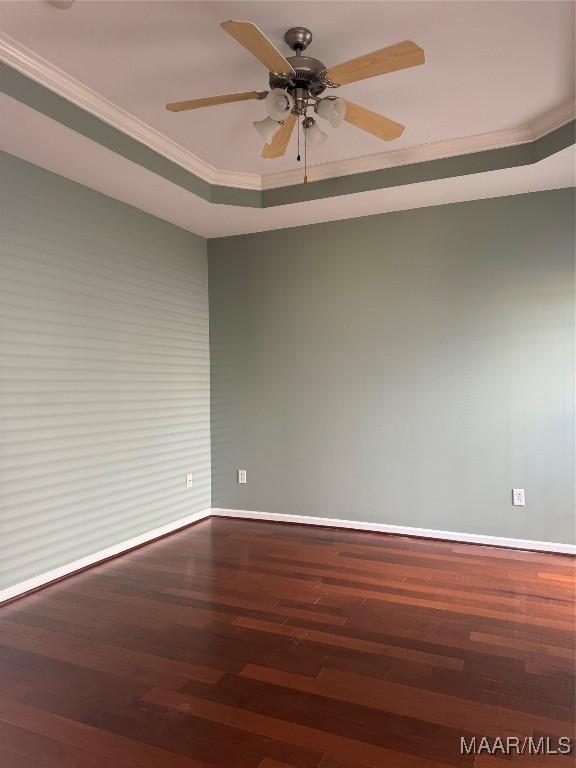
(422, 153)
(55, 79)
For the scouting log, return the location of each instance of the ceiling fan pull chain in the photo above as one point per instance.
(298, 155)
(305, 160)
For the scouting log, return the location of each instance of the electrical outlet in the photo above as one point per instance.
(518, 497)
(189, 480)
(242, 476)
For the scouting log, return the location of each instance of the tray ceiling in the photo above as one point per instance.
(490, 68)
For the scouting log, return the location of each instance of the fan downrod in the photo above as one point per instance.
(298, 38)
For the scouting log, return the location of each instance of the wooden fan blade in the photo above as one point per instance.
(378, 125)
(281, 139)
(399, 56)
(256, 42)
(210, 101)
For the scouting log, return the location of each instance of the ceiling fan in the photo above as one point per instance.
(297, 82)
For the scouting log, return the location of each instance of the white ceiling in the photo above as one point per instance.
(491, 66)
(45, 142)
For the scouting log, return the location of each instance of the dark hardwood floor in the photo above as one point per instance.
(260, 645)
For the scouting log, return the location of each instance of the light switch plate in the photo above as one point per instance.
(242, 476)
(189, 480)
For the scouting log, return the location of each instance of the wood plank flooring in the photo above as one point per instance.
(261, 645)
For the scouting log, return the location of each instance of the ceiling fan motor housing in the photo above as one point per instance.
(309, 72)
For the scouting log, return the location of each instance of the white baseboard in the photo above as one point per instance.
(104, 554)
(116, 549)
(427, 533)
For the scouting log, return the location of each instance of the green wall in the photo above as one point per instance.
(408, 369)
(104, 372)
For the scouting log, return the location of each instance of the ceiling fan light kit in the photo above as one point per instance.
(332, 109)
(297, 83)
(279, 104)
(313, 134)
(266, 128)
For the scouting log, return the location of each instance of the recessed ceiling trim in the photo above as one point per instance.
(441, 168)
(30, 135)
(43, 72)
(56, 80)
(438, 150)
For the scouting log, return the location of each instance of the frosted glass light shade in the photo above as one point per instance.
(278, 104)
(266, 128)
(315, 136)
(333, 110)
